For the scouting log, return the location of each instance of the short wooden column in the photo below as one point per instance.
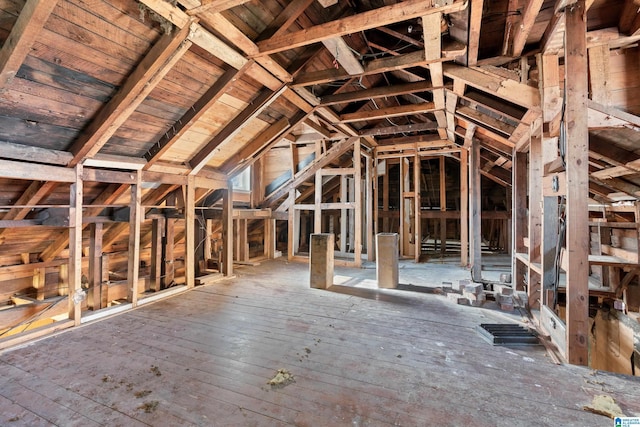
(321, 260)
(387, 260)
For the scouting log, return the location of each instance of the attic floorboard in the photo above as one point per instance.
(360, 356)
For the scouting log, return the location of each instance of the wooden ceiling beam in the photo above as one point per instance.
(401, 36)
(262, 101)
(149, 72)
(343, 55)
(283, 21)
(17, 46)
(260, 144)
(511, 19)
(394, 130)
(383, 113)
(502, 87)
(376, 92)
(188, 119)
(352, 24)
(216, 6)
(451, 49)
(522, 29)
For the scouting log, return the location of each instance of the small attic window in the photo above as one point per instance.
(242, 181)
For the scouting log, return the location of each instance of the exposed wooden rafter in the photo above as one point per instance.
(16, 47)
(156, 64)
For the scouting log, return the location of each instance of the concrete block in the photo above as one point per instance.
(457, 298)
(321, 261)
(506, 290)
(387, 260)
(506, 307)
(463, 284)
(474, 288)
(447, 286)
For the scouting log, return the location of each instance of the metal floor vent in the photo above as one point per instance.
(507, 334)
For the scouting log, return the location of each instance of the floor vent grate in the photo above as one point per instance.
(507, 334)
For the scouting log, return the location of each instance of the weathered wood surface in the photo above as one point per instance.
(359, 357)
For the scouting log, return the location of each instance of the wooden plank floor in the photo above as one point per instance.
(360, 357)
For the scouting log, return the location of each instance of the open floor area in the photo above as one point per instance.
(357, 356)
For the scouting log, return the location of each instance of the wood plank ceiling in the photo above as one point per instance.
(207, 87)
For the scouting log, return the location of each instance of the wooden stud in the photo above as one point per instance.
(443, 207)
(190, 233)
(535, 219)
(519, 215)
(135, 221)
(385, 199)
(168, 266)
(157, 233)
(358, 196)
(370, 218)
(75, 246)
(464, 208)
(577, 168)
(599, 74)
(417, 219)
(94, 297)
(227, 231)
(317, 217)
(475, 212)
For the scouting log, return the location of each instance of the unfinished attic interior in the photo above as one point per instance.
(191, 153)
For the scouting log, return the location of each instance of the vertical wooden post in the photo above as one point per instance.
(551, 103)
(290, 225)
(135, 220)
(190, 233)
(368, 214)
(208, 249)
(535, 218)
(168, 266)
(157, 231)
(75, 246)
(357, 197)
(317, 212)
(270, 238)
(63, 280)
(475, 212)
(417, 173)
(577, 170)
(38, 282)
(372, 207)
(385, 198)
(464, 207)
(344, 190)
(443, 207)
(519, 213)
(94, 299)
(227, 231)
